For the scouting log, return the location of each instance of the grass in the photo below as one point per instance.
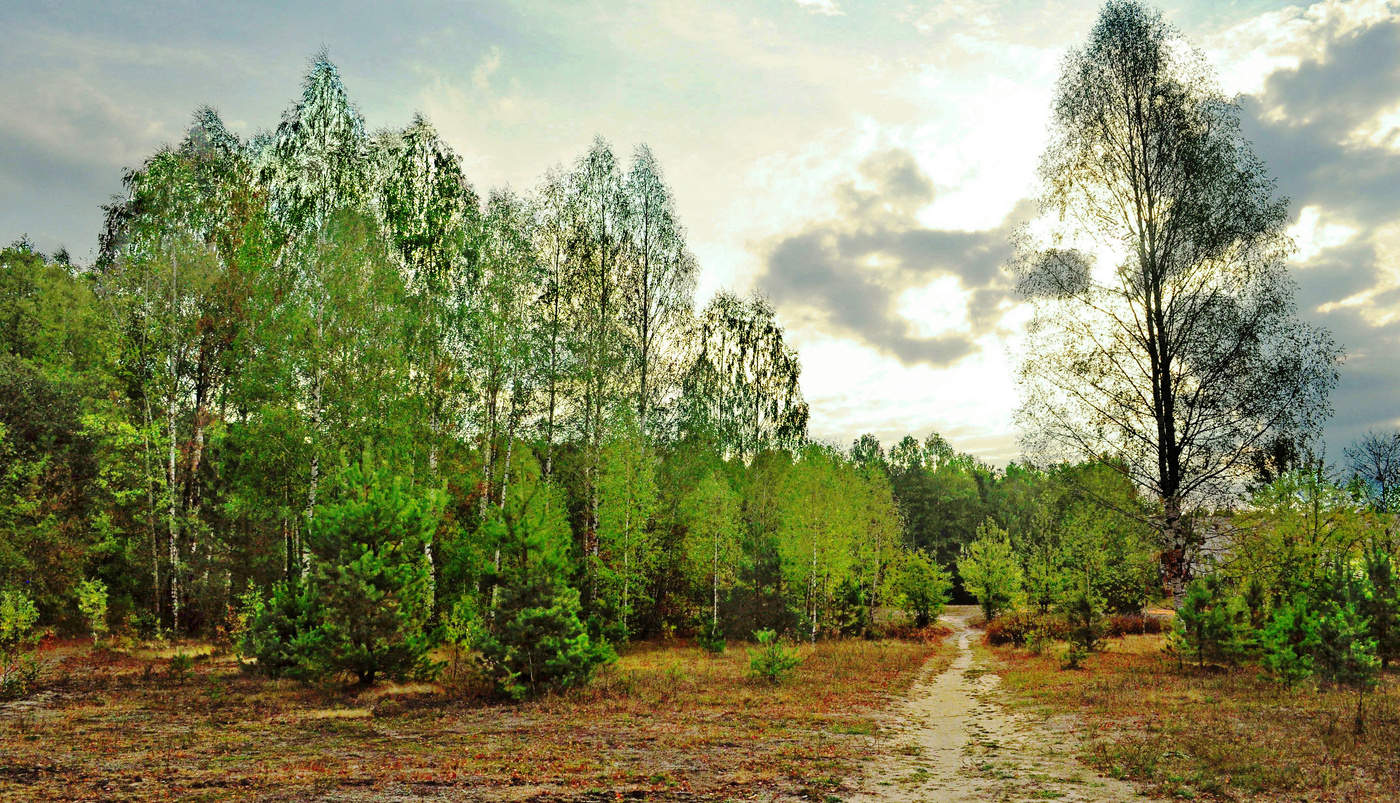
(1224, 734)
(668, 720)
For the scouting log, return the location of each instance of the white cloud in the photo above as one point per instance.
(826, 7)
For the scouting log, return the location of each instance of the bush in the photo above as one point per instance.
(1084, 611)
(1022, 628)
(19, 670)
(1346, 654)
(536, 642)
(526, 623)
(281, 632)
(922, 587)
(772, 661)
(850, 614)
(710, 637)
(1132, 624)
(92, 603)
(1381, 604)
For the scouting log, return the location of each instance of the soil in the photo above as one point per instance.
(953, 740)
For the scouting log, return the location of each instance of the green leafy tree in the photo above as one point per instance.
(92, 604)
(922, 587)
(1212, 622)
(627, 501)
(711, 512)
(1290, 640)
(990, 570)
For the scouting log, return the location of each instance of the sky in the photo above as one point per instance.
(861, 164)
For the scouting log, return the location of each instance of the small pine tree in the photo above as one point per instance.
(1084, 609)
(370, 576)
(990, 571)
(530, 637)
(1290, 640)
(1346, 654)
(1213, 623)
(1382, 604)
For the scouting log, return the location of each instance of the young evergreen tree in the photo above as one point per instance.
(528, 631)
(369, 575)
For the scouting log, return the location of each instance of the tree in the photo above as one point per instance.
(711, 513)
(741, 382)
(659, 285)
(922, 586)
(990, 571)
(627, 501)
(1185, 356)
(1375, 459)
(369, 576)
(528, 630)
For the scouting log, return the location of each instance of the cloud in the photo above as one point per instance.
(487, 67)
(847, 274)
(1304, 122)
(824, 7)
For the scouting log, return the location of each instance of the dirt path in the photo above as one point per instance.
(952, 740)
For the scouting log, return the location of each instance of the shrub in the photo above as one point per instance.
(710, 637)
(1381, 604)
(281, 633)
(1084, 611)
(536, 642)
(922, 587)
(92, 603)
(772, 661)
(370, 574)
(990, 570)
(527, 626)
(180, 666)
(18, 668)
(1346, 654)
(1132, 624)
(1021, 628)
(850, 614)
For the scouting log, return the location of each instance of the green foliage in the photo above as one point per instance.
(1346, 653)
(370, 576)
(990, 570)
(710, 637)
(626, 547)
(1084, 609)
(1290, 640)
(850, 611)
(922, 587)
(535, 641)
(1381, 603)
(772, 661)
(282, 634)
(181, 664)
(18, 668)
(1213, 623)
(527, 628)
(92, 603)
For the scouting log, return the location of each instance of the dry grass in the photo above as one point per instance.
(1223, 734)
(667, 721)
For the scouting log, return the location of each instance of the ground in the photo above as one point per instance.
(939, 719)
(1226, 733)
(952, 739)
(668, 721)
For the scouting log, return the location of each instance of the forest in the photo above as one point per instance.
(325, 408)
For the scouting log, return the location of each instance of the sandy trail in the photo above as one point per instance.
(952, 740)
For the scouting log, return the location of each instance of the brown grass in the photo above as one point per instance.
(668, 720)
(1215, 733)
